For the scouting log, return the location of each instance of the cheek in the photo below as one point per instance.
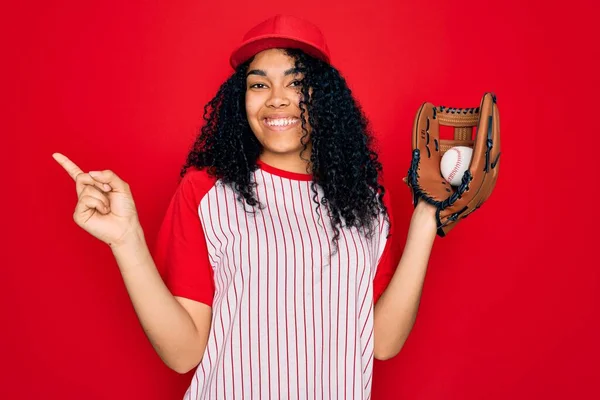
(253, 104)
(253, 107)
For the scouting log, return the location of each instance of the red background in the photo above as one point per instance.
(510, 306)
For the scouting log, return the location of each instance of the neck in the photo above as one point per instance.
(285, 162)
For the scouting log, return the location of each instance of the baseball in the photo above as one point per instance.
(455, 162)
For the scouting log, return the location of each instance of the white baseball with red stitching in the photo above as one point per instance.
(455, 162)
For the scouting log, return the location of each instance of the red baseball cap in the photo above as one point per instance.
(281, 31)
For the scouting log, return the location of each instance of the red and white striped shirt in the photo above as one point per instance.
(291, 318)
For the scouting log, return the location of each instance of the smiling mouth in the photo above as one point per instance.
(280, 124)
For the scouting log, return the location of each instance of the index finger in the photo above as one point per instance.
(72, 169)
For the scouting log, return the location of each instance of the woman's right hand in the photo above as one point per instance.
(105, 206)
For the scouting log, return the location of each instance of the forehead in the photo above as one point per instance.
(272, 60)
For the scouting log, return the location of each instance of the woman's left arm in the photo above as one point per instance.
(396, 309)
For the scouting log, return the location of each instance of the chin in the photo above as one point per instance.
(282, 149)
(281, 142)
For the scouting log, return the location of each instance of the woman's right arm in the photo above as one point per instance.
(177, 327)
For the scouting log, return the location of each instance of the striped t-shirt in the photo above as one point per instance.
(291, 317)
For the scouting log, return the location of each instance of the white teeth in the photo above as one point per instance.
(280, 121)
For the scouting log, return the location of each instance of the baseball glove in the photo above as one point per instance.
(425, 178)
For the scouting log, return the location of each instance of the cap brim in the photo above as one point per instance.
(252, 47)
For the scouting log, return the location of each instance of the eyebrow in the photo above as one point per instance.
(260, 72)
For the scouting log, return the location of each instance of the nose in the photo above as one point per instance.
(277, 98)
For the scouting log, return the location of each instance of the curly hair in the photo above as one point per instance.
(343, 162)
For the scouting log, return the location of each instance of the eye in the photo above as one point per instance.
(296, 83)
(258, 86)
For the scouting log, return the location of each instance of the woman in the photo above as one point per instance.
(276, 277)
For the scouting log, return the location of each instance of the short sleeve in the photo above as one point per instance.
(181, 254)
(387, 263)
